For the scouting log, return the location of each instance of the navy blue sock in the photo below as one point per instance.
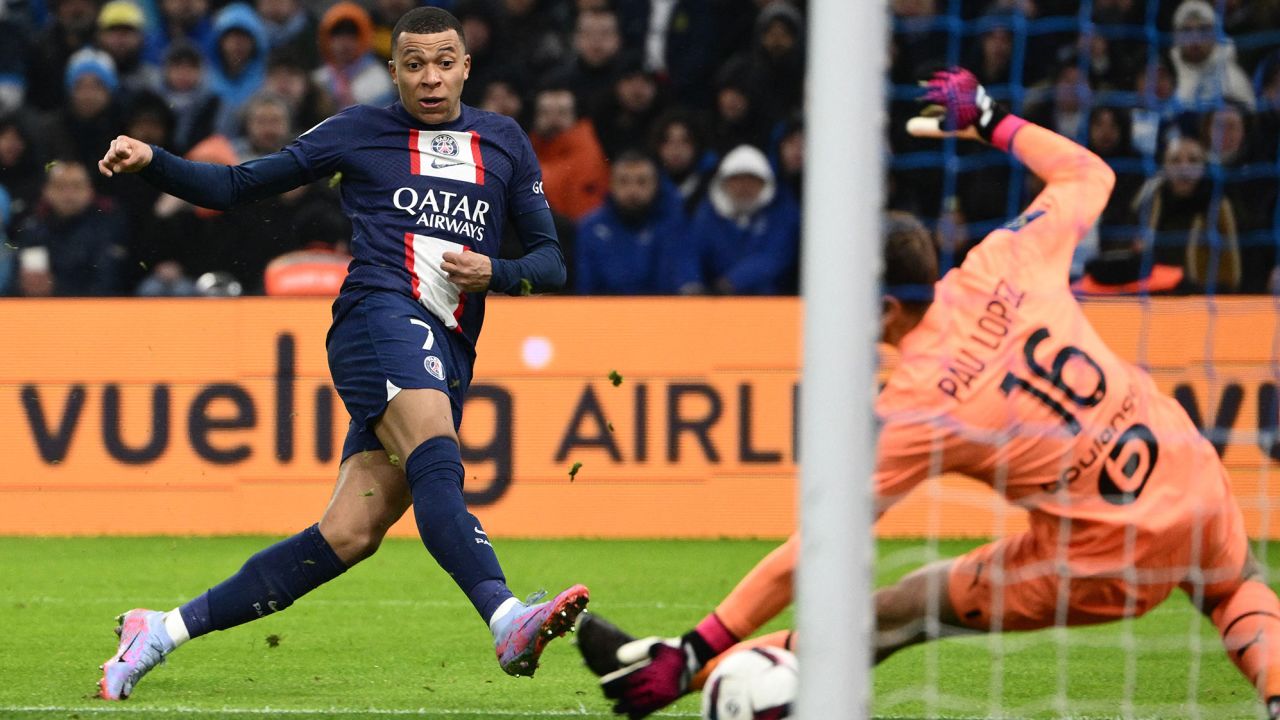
(452, 535)
(269, 582)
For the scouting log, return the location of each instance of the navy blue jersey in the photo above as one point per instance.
(414, 192)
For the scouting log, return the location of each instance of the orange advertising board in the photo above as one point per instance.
(217, 416)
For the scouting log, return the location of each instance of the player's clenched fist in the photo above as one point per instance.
(125, 155)
(470, 271)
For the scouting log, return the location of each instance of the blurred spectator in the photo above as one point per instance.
(239, 64)
(680, 147)
(319, 267)
(574, 170)
(538, 44)
(288, 78)
(351, 73)
(187, 93)
(167, 280)
(485, 32)
(624, 117)
(1206, 67)
(771, 73)
(1109, 137)
(21, 167)
(502, 96)
(1229, 136)
(737, 120)
(678, 42)
(182, 20)
(1192, 225)
(90, 120)
(596, 44)
(75, 242)
(13, 59)
(1066, 108)
(1157, 106)
(290, 26)
(627, 246)
(918, 48)
(120, 33)
(268, 127)
(383, 15)
(72, 29)
(994, 62)
(788, 156)
(744, 237)
(8, 258)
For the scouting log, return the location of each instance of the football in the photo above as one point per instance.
(754, 684)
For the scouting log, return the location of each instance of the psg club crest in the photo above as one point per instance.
(434, 366)
(444, 145)
(447, 154)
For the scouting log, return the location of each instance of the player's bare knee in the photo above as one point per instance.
(352, 542)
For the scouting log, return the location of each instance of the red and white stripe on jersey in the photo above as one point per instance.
(431, 287)
(446, 154)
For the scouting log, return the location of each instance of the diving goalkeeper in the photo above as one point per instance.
(1002, 379)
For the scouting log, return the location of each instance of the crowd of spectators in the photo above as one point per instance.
(670, 134)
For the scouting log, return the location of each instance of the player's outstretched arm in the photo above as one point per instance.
(217, 187)
(1077, 182)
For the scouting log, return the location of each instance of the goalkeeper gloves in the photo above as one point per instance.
(658, 671)
(964, 103)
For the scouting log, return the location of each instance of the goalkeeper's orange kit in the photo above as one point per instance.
(1004, 380)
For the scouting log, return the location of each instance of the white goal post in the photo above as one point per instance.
(844, 165)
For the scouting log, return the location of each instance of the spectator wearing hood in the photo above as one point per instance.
(290, 25)
(72, 29)
(185, 89)
(774, 67)
(574, 170)
(1205, 64)
(627, 245)
(744, 239)
(239, 62)
(90, 119)
(351, 73)
(121, 33)
(75, 243)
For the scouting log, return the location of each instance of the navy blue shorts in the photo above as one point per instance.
(384, 342)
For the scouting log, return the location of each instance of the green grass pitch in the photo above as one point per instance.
(394, 638)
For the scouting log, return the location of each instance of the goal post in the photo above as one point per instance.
(844, 125)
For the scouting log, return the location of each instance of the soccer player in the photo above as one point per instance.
(1002, 379)
(427, 183)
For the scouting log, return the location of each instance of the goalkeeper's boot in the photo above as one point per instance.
(143, 644)
(521, 636)
(598, 640)
(1273, 707)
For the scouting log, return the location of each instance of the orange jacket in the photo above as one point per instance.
(575, 174)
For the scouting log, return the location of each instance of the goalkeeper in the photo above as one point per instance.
(1003, 379)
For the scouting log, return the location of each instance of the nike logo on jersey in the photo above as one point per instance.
(442, 165)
